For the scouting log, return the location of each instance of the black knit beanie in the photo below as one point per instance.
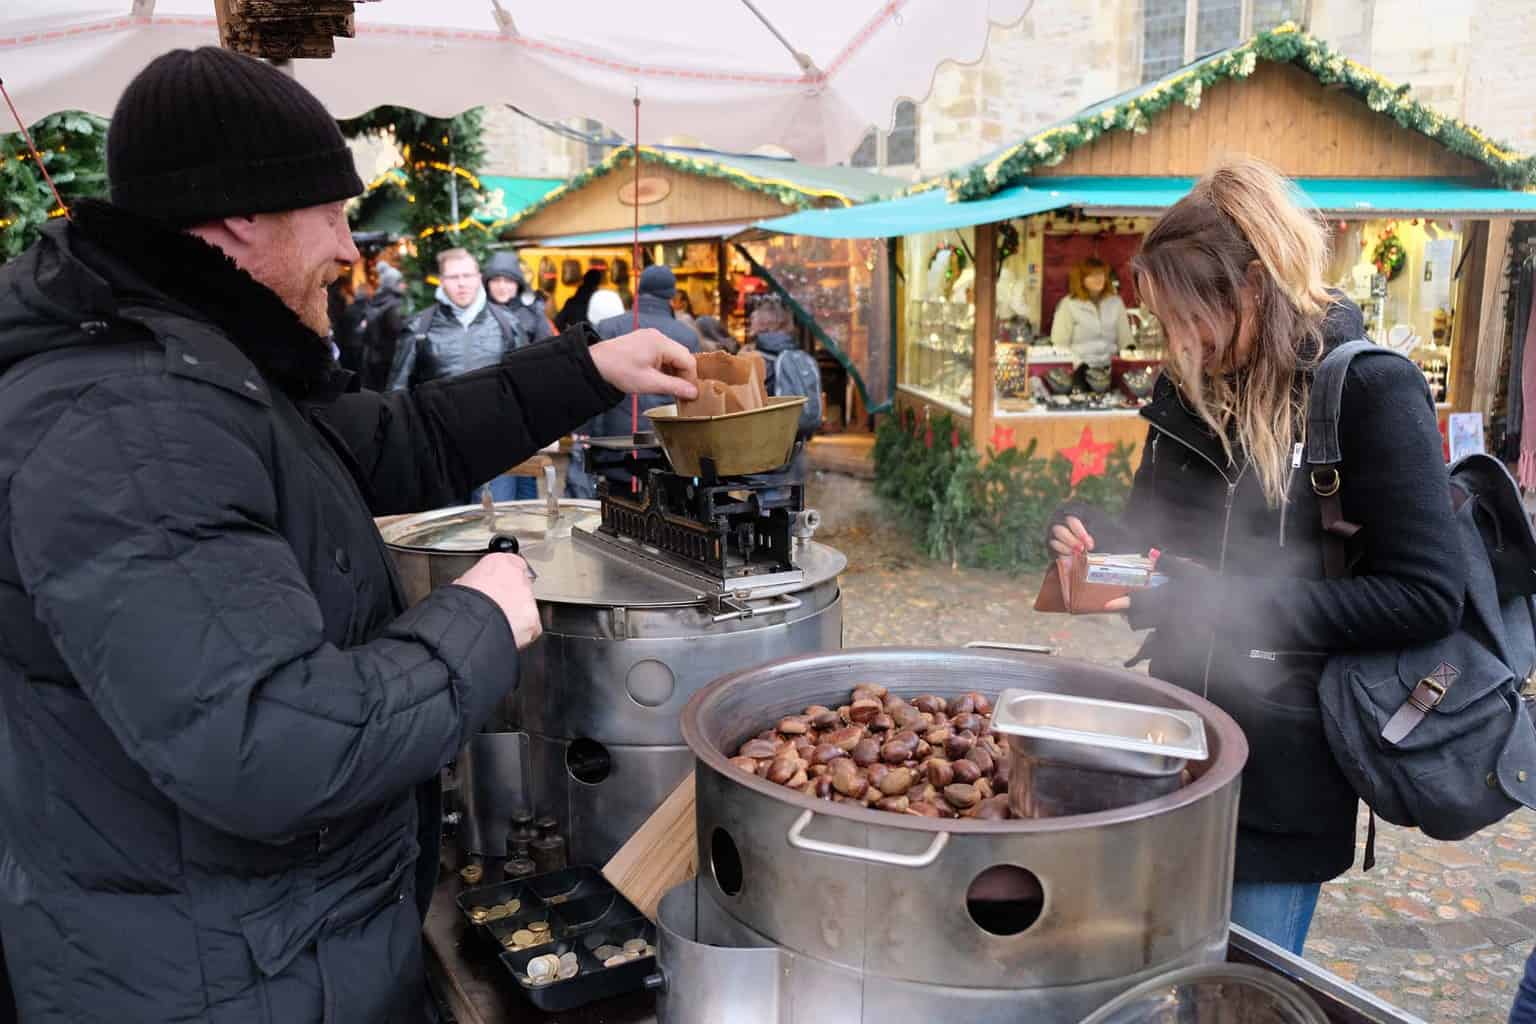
(204, 134)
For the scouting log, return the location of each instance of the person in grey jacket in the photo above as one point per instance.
(462, 331)
(1090, 320)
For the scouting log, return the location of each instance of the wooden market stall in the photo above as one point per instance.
(690, 204)
(1419, 207)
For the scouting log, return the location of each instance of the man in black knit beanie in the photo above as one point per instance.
(221, 726)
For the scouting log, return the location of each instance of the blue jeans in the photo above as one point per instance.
(507, 488)
(1278, 911)
(1524, 1010)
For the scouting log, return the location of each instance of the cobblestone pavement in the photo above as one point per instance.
(1441, 930)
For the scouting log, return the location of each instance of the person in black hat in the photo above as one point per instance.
(220, 725)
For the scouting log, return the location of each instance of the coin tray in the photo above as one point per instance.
(584, 912)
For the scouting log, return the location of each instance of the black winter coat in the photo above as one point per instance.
(1253, 632)
(216, 713)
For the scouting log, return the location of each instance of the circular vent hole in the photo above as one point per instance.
(588, 761)
(1005, 899)
(725, 862)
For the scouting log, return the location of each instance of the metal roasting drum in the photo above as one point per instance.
(806, 910)
(632, 629)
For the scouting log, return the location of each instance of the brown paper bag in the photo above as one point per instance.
(727, 384)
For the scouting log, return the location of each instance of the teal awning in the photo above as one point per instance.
(926, 211)
(1349, 197)
(650, 234)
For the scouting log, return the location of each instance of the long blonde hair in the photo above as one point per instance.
(1241, 232)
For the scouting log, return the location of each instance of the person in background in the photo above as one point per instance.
(575, 309)
(1090, 319)
(713, 337)
(1234, 272)
(460, 332)
(790, 370)
(506, 284)
(654, 302)
(221, 723)
(345, 305)
(605, 304)
(682, 308)
(383, 320)
(1524, 1010)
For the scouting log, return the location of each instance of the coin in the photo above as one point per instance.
(618, 960)
(523, 937)
(479, 915)
(542, 981)
(538, 926)
(497, 914)
(545, 967)
(513, 906)
(606, 952)
(472, 873)
(634, 946)
(650, 950)
(568, 959)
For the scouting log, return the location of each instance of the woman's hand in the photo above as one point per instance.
(1070, 537)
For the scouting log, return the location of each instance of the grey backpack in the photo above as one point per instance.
(1435, 737)
(794, 372)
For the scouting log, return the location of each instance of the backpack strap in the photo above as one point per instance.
(1324, 455)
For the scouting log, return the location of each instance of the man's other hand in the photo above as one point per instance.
(505, 580)
(647, 362)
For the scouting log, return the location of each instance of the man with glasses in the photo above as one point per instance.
(460, 332)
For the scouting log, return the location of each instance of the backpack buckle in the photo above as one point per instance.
(1427, 695)
(1322, 486)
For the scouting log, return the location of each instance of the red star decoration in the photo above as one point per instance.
(1002, 438)
(1087, 458)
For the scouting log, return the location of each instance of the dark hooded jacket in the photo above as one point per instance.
(654, 305)
(217, 715)
(526, 306)
(1248, 619)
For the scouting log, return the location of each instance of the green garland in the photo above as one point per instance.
(74, 149)
(428, 160)
(1284, 45)
(789, 194)
(989, 513)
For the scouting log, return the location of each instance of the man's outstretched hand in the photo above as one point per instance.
(647, 362)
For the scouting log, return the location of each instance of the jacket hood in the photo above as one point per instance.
(654, 305)
(775, 342)
(505, 264)
(104, 269)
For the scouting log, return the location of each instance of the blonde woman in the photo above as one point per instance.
(1234, 272)
(1090, 319)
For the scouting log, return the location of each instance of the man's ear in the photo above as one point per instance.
(248, 230)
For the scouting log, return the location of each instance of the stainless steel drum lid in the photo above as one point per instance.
(465, 529)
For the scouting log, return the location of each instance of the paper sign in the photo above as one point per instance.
(1466, 429)
(1439, 265)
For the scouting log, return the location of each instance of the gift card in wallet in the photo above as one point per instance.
(1083, 584)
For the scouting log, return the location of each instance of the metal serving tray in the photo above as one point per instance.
(1080, 755)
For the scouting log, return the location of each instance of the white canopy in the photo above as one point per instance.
(808, 75)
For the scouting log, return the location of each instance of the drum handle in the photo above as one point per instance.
(797, 839)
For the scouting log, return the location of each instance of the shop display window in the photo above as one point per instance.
(939, 321)
(1401, 273)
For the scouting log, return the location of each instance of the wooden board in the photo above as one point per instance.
(1280, 114)
(662, 855)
